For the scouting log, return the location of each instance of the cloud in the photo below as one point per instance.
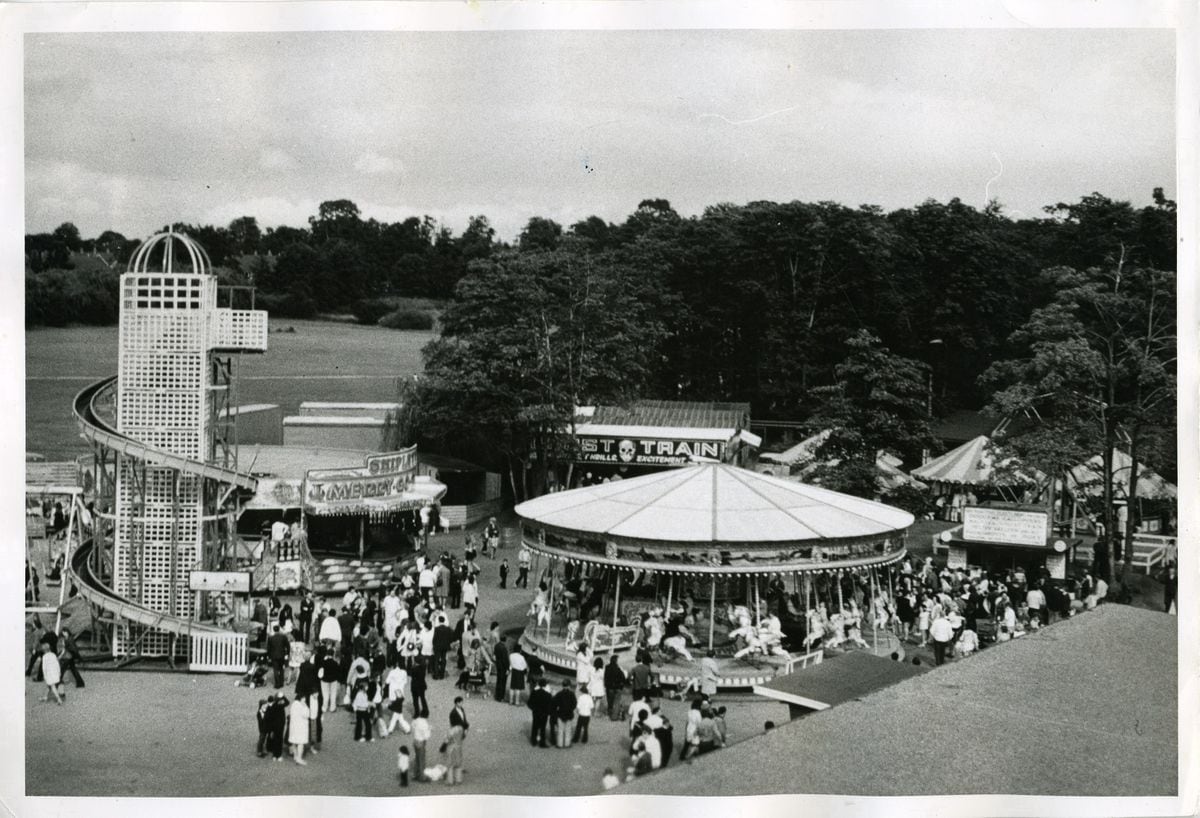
(272, 158)
(269, 211)
(374, 164)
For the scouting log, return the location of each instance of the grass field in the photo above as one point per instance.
(323, 361)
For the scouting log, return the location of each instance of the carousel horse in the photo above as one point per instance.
(853, 620)
(747, 634)
(816, 629)
(835, 631)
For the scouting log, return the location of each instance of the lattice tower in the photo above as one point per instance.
(169, 327)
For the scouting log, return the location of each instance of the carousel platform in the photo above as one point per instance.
(735, 673)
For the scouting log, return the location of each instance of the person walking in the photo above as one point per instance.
(263, 717)
(503, 574)
(541, 704)
(1170, 586)
(418, 684)
(279, 648)
(942, 633)
(595, 684)
(614, 683)
(70, 657)
(517, 668)
(51, 674)
(491, 539)
(277, 726)
(329, 672)
(305, 617)
(421, 733)
(524, 558)
(298, 733)
(584, 705)
(363, 712)
(709, 674)
(564, 712)
(502, 664)
(454, 754)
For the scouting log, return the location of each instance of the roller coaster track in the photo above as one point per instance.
(96, 431)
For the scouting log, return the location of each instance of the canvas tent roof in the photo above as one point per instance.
(714, 502)
(889, 476)
(1089, 477)
(971, 464)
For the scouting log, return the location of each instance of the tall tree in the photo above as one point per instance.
(539, 234)
(877, 402)
(529, 337)
(1098, 365)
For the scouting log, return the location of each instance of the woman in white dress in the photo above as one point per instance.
(298, 728)
(51, 674)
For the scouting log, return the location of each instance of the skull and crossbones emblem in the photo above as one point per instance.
(625, 451)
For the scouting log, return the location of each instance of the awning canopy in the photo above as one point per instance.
(839, 679)
(974, 464)
(421, 492)
(715, 503)
(1089, 477)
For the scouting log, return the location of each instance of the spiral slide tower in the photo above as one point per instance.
(164, 447)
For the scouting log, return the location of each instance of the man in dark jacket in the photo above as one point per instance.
(263, 717)
(277, 726)
(541, 703)
(306, 616)
(501, 669)
(279, 648)
(564, 713)
(614, 683)
(443, 638)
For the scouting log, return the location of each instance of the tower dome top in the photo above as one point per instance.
(157, 254)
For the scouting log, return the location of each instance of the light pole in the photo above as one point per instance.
(934, 344)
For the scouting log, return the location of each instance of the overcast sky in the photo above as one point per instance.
(130, 131)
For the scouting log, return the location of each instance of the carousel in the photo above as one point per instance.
(761, 572)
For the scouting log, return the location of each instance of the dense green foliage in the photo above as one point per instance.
(836, 316)
(407, 319)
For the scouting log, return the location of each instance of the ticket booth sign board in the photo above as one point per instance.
(1056, 564)
(957, 558)
(1001, 525)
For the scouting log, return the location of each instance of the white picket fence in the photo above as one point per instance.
(219, 652)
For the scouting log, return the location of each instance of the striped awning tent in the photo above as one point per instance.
(715, 502)
(975, 464)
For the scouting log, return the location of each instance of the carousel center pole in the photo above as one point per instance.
(550, 602)
(841, 601)
(875, 611)
(712, 610)
(617, 599)
(670, 587)
(757, 605)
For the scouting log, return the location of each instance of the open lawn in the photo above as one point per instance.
(322, 361)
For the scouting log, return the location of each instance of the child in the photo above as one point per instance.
(504, 573)
(402, 763)
(610, 779)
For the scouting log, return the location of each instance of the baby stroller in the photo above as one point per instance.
(255, 675)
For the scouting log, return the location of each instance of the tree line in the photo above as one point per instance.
(855, 319)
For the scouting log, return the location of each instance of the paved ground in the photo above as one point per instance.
(164, 734)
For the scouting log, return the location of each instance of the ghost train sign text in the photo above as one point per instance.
(646, 451)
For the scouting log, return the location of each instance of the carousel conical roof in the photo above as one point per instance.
(714, 502)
